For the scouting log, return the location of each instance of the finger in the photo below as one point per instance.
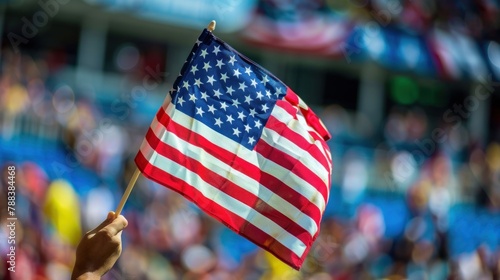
(110, 217)
(117, 225)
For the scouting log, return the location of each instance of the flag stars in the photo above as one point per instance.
(216, 50)
(199, 111)
(268, 93)
(192, 97)
(232, 60)
(237, 73)
(254, 83)
(248, 99)
(185, 85)
(220, 63)
(248, 128)
(265, 80)
(258, 124)
(206, 66)
(194, 68)
(204, 96)
(259, 95)
(224, 77)
(223, 106)
(204, 53)
(217, 93)
(236, 132)
(218, 122)
(180, 100)
(198, 42)
(211, 108)
(211, 80)
(265, 108)
(230, 90)
(236, 103)
(248, 70)
(230, 119)
(243, 86)
(241, 116)
(253, 112)
(251, 140)
(198, 82)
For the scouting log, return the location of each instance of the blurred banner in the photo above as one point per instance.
(230, 15)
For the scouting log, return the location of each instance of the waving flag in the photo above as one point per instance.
(242, 146)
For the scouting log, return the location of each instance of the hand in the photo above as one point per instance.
(99, 249)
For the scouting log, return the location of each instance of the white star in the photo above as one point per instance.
(236, 132)
(185, 85)
(243, 86)
(259, 95)
(248, 99)
(224, 77)
(230, 90)
(192, 97)
(220, 63)
(248, 70)
(206, 66)
(211, 80)
(204, 96)
(247, 128)
(237, 73)
(199, 111)
(258, 124)
(180, 100)
(217, 93)
(265, 108)
(194, 68)
(230, 119)
(232, 60)
(216, 50)
(198, 42)
(265, 80)
(254, 83)
(223, 105)
(278, 91)
(218, 122)
(268, 93)
(211, 108)
(253, 112)
(236, 103)
(197, 82)
(241, 116)
(203, 53)
(251, 140)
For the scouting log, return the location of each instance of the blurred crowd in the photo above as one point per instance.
(390, 214)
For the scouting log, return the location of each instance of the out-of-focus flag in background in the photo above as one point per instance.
(244, 147)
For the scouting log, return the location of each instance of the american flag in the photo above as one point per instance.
(245, 148)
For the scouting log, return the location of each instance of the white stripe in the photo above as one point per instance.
(297, 184)
(236, 177)
(224, 200)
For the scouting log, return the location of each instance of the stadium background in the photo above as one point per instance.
(408, 89)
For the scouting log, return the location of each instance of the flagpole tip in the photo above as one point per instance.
(211, 26)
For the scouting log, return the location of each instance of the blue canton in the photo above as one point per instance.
(226, 91)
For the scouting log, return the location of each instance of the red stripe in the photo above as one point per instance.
(312, 120)
(241, 165)
(294, 165)
(231, 220)
(282, 129)
(226, 186)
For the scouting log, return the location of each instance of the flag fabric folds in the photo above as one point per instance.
(241, 145)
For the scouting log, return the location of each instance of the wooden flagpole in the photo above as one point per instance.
(135, 176)
(130, 186)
